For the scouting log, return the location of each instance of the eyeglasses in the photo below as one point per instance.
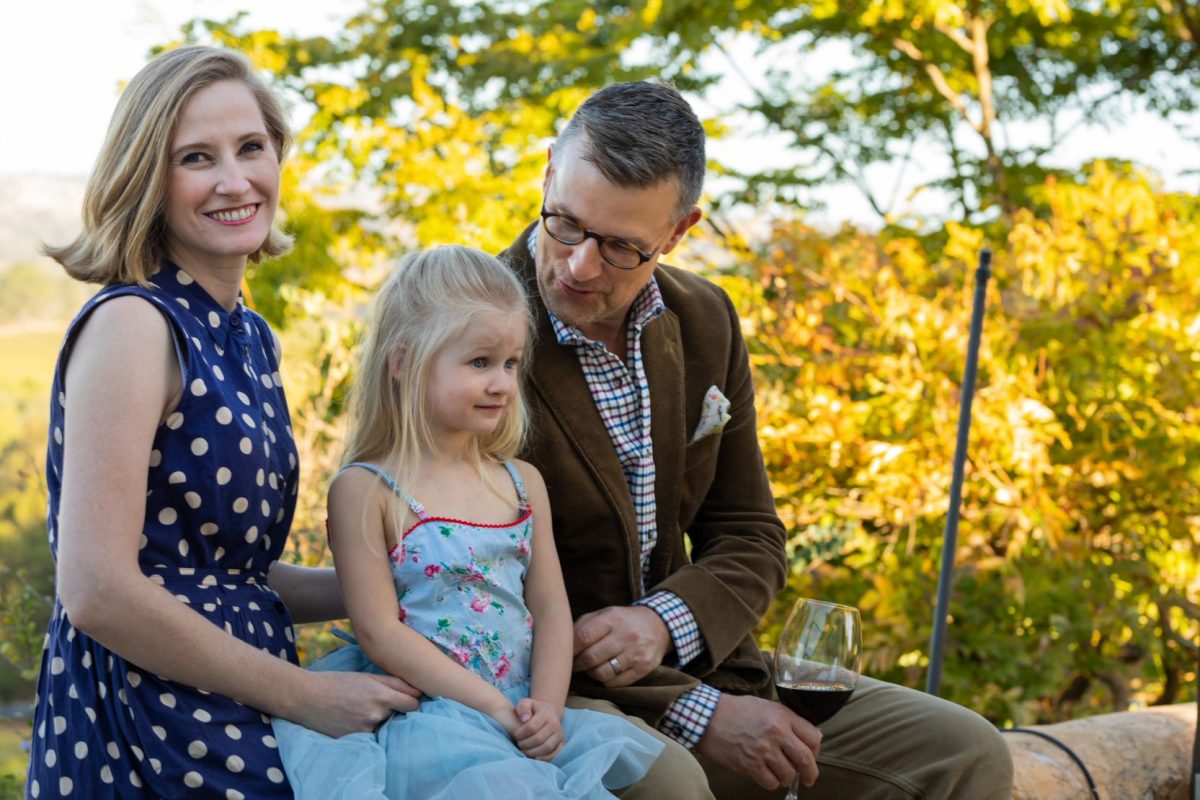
(618, 252)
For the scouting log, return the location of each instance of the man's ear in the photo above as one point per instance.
(549, 169)
(681, 228)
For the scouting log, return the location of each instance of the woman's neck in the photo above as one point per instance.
(222, 281)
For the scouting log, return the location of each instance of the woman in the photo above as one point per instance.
(172, 471)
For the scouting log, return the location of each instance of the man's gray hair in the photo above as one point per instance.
(639, 134)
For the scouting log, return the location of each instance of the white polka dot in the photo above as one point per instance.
(266, 381)
(167, 516)
(219, 350)
(183, 302)
(135, 678)
(73, 693)
(250, 627)
(192, 499)
(270, 742)
(266, 508)
(58, 437)
(202, 715)
(260, 477)
(57, 665)
(121, 694)
(91, 714)
(267, 627)
(65, 786)
(198, 388)
(167, 699)
(214, 319)
(240, 505)
(193, 780)
(157, 765)
(199, 446)
(134, 779)
(224, 475)
(249, 421)
(273, 481)
(35, 789)
(51, 758)
(177, 477)
(183, 278)
(209, 528)
(242, 396)
(252, 534)
(102, 689)
(155, 458)
(106, 774)
(217, 371)
(113, 752)
(160, 732)
(224, 415)
(234, 794)
(197, 749)
(60, 725)
(196, 341)
(269, 409)
(232, 732)
(81, 750)
(275, 775)
(137, 752)
(174, 421)
(292, 460)
(235, 764)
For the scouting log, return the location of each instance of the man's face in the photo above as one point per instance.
(575, 281)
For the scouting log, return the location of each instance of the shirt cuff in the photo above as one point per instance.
(687, 718)
(685, 633)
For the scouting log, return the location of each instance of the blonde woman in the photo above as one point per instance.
(443, 546)
(172, 471)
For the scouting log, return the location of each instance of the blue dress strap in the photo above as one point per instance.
(416, 507)
(520, 484)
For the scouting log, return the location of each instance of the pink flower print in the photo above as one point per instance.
(504, 667)
(431, 570)
(523, 548)
(480, 604)
(403, 615)
(461, 655)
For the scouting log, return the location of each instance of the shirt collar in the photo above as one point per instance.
(210, 314)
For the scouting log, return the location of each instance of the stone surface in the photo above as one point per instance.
(1136, 755)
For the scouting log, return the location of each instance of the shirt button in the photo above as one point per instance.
(235, 320)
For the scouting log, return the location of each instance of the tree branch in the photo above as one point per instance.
(937, 76)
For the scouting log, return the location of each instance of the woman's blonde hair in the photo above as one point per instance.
(125, 202)
(430, 298)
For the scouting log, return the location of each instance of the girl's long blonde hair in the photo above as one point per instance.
(431, 297)
(124, 204)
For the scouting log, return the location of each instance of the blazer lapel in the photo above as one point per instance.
(662, 358)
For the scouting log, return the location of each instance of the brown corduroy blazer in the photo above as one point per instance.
(714, 490)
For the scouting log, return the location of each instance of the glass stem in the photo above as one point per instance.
(794, 792)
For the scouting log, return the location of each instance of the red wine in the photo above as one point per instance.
(816, 701)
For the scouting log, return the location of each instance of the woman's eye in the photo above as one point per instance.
(253, 146)
(192, 158)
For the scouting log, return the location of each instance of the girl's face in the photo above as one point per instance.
(224, 184)
(475, 376)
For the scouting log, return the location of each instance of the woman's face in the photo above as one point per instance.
(224, 179)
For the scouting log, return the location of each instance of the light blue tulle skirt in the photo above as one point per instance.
(448, 751)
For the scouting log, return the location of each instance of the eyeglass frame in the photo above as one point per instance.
(600, 240)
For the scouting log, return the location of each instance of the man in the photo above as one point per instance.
(644, 429)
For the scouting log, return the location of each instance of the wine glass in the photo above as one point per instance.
(817, 661)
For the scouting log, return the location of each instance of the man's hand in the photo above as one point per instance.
(762, 740)
(539, 734)
(635, 636)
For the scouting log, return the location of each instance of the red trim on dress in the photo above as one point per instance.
(528, 513)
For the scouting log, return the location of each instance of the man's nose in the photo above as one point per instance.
(585, 261)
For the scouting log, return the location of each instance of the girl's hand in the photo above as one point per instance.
(341, 703)
(540, 734)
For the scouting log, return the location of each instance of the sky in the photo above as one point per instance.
(62, 61)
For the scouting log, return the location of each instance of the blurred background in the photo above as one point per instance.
(861, 154)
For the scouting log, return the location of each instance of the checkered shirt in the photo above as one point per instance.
(622, 396)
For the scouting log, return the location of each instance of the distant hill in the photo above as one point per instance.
(36, 209)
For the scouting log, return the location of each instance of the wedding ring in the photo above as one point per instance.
(616, 665)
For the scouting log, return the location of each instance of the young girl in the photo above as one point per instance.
(443, 547)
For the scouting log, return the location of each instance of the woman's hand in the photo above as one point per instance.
(341, 703)
(540, 734)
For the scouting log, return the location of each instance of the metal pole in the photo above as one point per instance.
(933, 679)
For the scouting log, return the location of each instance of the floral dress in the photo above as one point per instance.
(221, 489)
(461, 585)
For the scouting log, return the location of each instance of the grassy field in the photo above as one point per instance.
(13, 760)
(26, 373)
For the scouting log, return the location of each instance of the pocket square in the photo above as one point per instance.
(713, 414)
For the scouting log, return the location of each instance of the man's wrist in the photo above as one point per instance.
(685, 640)
(687, 718)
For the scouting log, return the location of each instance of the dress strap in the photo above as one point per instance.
(520, 484)
(416, 507)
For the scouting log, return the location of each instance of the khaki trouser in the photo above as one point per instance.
(887, 742)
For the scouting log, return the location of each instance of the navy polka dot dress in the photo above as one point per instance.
(221, 492)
